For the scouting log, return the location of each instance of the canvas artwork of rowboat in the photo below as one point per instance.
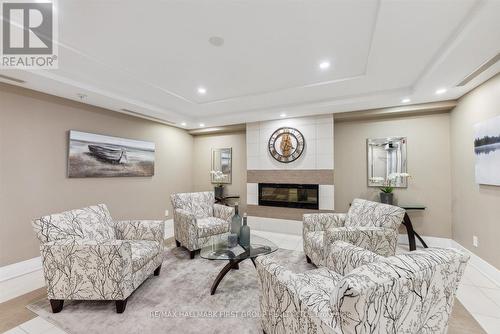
(94, 155)
(109, 153)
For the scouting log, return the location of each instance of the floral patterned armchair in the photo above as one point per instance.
(197, 218)
(408, 293)
(88, 256)
(371, 225)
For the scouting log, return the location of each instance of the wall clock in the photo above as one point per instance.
(286, 144)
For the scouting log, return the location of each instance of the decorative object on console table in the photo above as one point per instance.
(219, 191)
(487, 150)
(386, 196)
(236, 222)
(245, 233)
(217, 178)
(386, 191)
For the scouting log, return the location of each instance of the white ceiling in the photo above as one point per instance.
(151, 56)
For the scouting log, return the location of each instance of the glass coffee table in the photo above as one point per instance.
(218, 248)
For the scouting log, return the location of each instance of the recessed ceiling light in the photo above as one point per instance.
(202, 90)
(406, 100)
(283, 115)
(202, 125)
(324, 65)
(183, 124)
(441, 91)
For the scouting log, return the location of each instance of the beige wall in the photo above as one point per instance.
(428, 163)
(476, 208)
(33, 150)
(202, 161)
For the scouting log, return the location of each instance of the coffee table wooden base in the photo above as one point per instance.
(233, 264)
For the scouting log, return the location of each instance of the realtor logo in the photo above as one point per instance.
(28, 34)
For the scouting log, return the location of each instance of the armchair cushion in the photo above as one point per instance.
(153, 230)
(381, 241)
(211, 226)
(93, 222)
(367, 213)
(343, 257)
(143, 251)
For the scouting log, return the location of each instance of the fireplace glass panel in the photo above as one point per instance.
(289, 195)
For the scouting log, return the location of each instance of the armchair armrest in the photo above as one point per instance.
(322, 221)
(185, 228)
(87, 269)
(287, 300)
(343, 257)
(153, 230)
(379, 240)
(223, 212)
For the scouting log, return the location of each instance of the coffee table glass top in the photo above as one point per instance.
(217, 248)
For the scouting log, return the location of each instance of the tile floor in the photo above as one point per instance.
(479, 295)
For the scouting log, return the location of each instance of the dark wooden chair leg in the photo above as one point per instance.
(56, 305)
(157, 271)
(308, 259)
(191, 254)
(121, 305)
(177, 243)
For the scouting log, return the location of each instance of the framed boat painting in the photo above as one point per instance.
(93, 155)
(487, 150)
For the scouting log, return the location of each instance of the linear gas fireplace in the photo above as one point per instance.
(303, 196)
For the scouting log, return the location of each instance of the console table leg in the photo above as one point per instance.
(421, 240)
(410, 232)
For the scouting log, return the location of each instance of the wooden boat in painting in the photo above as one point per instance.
(107, 153)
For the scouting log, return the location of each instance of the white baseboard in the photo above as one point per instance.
(484, 267)
(20, 268)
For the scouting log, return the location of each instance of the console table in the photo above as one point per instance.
(224, 199)
(409, 227)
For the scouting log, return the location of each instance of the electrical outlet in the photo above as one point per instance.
(166, 213)
(475, 241)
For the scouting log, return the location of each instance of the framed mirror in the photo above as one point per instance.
(386, 159)
(222, 162)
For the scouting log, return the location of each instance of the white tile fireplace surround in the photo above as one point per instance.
(314, 166)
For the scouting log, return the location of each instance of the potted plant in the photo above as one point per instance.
(218, 178)
(386, 191)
